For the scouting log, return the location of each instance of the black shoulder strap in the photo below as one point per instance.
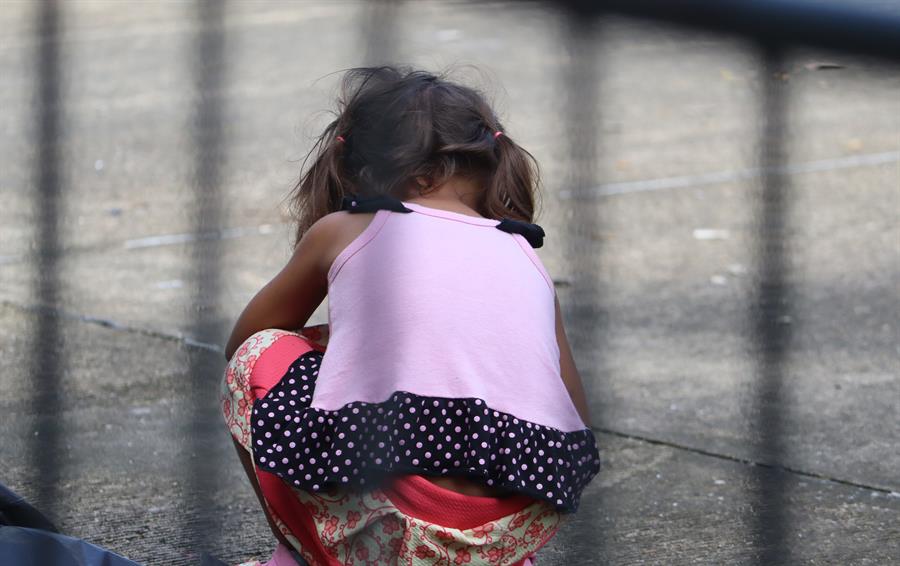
(353, 203)
(532, 232)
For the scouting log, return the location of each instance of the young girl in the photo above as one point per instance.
(438, 418)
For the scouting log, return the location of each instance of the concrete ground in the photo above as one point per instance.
(651, 238)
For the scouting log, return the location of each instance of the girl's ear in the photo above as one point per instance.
(422, 183)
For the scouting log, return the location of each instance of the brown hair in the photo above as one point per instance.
(398, 124)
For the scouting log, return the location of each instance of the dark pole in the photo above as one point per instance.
(585, 319)
(202, 418)
(770, 316)
(47, 344)
(379, 27)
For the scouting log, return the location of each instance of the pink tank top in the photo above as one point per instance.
(440, 303)
(442, 359)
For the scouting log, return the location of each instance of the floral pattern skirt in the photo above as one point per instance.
(392, 524)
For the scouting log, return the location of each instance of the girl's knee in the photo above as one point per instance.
(258, 364)
(275, 360)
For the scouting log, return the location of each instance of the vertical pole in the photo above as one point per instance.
(47, 344)
(770, 318)
(582, 310)
(379, 26)
(201, 415)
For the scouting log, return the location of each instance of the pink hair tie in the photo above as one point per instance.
(340, 139)
(497, 134)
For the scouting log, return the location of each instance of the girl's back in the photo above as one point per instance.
(462, 377)
(446, 357)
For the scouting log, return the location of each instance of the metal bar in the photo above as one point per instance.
(582, 307)
(828, 25)
(379, 28)
(46, 348)
(770, 333)
(201, 415)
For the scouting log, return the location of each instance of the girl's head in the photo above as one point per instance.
(401, 127)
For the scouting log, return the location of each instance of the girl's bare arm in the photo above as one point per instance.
(289, 299)
(570, 375)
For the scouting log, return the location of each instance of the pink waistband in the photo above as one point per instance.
(417, 497)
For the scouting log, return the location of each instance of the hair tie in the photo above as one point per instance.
(497, 134)
(340, 139)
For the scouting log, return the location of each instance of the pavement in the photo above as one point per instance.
(652, 239)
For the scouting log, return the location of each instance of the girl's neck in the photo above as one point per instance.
(458, 194)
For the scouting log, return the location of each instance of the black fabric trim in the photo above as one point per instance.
(357, 444)
(354, 203)
(532, 232)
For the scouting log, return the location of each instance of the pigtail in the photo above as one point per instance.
(321, 188)
(513, 186)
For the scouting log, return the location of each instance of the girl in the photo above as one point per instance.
(438, 418)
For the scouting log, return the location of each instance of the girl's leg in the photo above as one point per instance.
(257, 366)
(247, 462)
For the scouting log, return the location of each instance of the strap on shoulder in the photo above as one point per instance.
(532, 232)
(353, 203)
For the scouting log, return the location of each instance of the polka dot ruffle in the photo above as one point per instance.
(313, 448)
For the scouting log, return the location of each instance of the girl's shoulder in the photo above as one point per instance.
(337, 230)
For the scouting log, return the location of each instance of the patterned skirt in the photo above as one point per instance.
(405, 520)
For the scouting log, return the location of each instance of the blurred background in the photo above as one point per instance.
(720, 198)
